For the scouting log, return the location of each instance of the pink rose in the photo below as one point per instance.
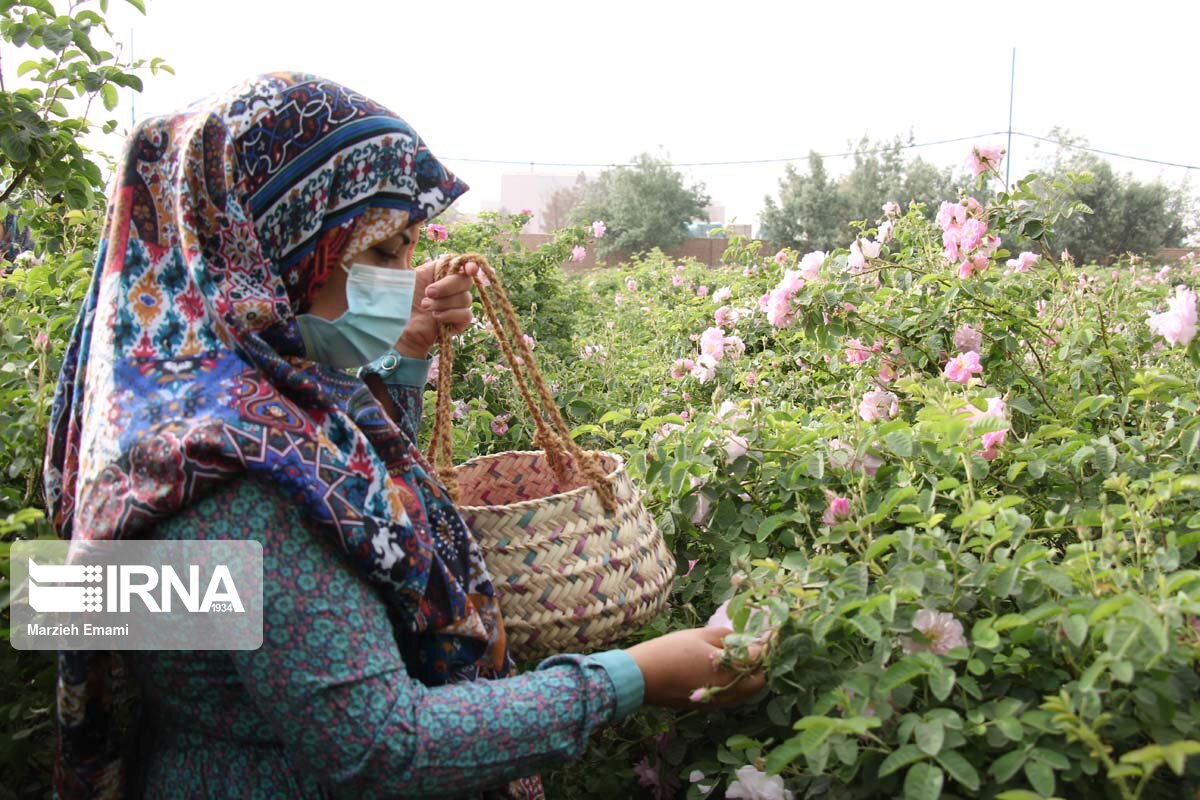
(436, 232)
(985, 159)
(681, 367)
(1178, 323)
(721, 295)
(578, 253)
(499, 425)
(781, 257)
(967, 339)
(599, 228)
(1023, 262)
(838, 510)
(877, 405)
(856, 352)
(721, 316)
(891, 208)
(960, 368)
(941, 631)
(702, 291)
(810, 265)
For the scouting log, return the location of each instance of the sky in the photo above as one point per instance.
(598, 83)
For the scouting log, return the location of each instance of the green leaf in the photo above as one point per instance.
(108, 93)
(941, 682)
(785, 754)
(959, 769)
(900, 443)
(1040, 776)
(1076, 628)
(1004, 767)
(929, 737)
(923, 782)
(984, 636)
(899, 759)
(899, 673)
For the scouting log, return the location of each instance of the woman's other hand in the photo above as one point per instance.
(675, 665)
(435, 302)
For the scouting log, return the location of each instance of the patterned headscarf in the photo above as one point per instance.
(186, 368)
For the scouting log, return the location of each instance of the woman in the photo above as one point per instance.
(256, 246)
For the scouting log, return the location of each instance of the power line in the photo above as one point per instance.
(743, 162)
(1105, 152)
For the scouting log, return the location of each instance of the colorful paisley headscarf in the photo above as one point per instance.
(186, 368)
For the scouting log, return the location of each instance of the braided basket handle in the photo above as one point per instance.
(554, 437)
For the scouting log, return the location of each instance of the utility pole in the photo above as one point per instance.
(1012, 85)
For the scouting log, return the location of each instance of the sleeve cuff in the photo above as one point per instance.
(626, 678)
(397, 370)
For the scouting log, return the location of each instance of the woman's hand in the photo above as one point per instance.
(435, 302)
(675, 665)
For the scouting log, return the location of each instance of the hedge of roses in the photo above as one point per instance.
(948, 481)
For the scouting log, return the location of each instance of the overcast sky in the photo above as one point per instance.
(707, 81)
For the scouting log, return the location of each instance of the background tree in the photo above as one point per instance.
(1127, 215)
(561, 203)
(812, 209)
(646, 205)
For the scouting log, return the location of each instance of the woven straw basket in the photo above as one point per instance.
(575, 557)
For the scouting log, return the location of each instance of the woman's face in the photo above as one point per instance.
(393, 253)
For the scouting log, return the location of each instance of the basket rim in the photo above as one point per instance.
(578, 490)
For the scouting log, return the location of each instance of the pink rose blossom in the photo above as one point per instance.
(681, 367)
(992, 440)
(1178, 323)
(887, 371)
(1023, 262)
(751, 378)
(870, 249)
(721, 317)
(810, 265)
(781, 257)
(705, 369)
(433, 369)
(735, 447)
(886, 229)
(722, 294)
(702, 291)
(984, 159)
(436, 232)
(526, 212)
(578, 253)
(41, 341)
(856, 261)
(843, 456)
(856, 352)
(712, 343)
(891, 208)
(877, 405)
(838, 510)
(967, 338)
(779, 308)
(530, 342)
(941, 630)
(960, 368)
(630, 285)
(677, 280)
(499, 425)
(599, 229)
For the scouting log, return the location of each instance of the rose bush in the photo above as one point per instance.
(963, 501)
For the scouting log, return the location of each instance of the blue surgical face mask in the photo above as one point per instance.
(379, 305)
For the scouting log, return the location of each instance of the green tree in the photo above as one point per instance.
(1127, 215)
(66, 67)
(812, 210)
(646, 205)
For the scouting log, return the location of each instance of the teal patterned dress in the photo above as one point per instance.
(327, 708)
